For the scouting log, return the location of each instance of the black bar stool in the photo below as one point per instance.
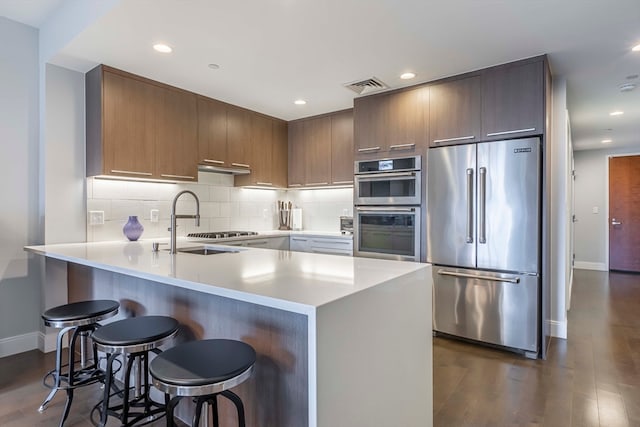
(133, 338)
(204, 370)
(79, 319)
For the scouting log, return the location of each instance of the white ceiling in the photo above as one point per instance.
(272, 52)
(30, 12)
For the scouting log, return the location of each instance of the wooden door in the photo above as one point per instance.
(177, 136)
(261, 150)
(624, 213)
(317, 132)
(129, 125)
(279, 154)
(455, 112)
(513, 100)
(342, 147)
(238, 136)
(370, 125)
(212, 132)
(405, 122)
(296, 147)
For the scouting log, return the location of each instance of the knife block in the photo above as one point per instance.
(284, 219)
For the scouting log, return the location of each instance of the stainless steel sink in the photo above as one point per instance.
(203, 250)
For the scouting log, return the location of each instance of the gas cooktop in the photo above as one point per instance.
(222, 234)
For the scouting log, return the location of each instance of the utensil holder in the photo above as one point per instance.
(284, 219)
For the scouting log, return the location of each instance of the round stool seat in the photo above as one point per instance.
(80, 313)
(202, 367)
(135, 334)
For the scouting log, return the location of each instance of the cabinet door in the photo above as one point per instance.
(212, 132)
(513, 100)
(342, 148)
(296, 154)
(261, 150)
(455, 112)
(317, 133)
(406, 122)
(238, 137)
(176, 137)
(370, 126)
(279, 154)
(129, 125)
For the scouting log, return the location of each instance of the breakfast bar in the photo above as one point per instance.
(341, 341)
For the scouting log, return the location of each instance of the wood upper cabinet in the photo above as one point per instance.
(342, 147)
(296, 150)
(121, 124)
(391, 124)
(260, 152)
(238, 137)
(176, 138)
(139, 128)
(455, 112)
(212, 132)
(513, 100)
(317, 133)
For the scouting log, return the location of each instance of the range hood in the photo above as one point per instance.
(222, 169)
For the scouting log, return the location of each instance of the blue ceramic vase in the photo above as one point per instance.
(133, 229)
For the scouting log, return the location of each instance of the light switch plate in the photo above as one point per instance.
(595, 210)
(96, 217)
(154, 215)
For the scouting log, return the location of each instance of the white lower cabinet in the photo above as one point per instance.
(321, 245)
(280, 243)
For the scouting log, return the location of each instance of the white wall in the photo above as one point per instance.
(591, 191)
(64, 156)
(19, 217)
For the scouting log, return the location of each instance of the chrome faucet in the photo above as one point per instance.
(174, 217)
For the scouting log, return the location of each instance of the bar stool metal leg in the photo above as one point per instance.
(58, 370)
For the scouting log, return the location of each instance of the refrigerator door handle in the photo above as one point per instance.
(482, 206)
(470, 205)
(479, 276)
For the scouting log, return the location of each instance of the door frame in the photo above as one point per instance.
(606, 190)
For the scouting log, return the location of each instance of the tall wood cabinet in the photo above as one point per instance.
(321, 150)
(212, 132)
(139, 128)
(391, 124)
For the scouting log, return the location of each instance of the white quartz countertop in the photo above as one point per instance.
(293, 281)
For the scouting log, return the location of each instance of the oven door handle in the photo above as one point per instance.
(383, 209)
(383, 176)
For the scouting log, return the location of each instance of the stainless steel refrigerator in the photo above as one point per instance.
(483, 239)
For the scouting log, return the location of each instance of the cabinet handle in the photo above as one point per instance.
(343, 182)
(177, 176)
(364, 150)
(479, 276)
(459, 138)
(295, 185)
(402, 146)
(263, 183)
(241, 165)
(508, 132)
(217, 162)
(318, 183)
(131, 172)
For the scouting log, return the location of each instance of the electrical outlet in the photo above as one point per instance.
(96, 217)
(154, 215)
(595, 210)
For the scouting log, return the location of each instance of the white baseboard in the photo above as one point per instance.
(48, 342)
(18, 344)
(583, 265)
(558, 329)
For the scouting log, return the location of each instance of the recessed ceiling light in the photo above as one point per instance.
(627, 87)
(636, 48)
(299, 102)
(162, 48)
(407, 76)
(213, 66)
(606, 141)
(616, 113)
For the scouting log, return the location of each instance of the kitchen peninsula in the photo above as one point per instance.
(341, 341)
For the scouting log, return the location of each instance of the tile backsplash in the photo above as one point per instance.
(222, 206)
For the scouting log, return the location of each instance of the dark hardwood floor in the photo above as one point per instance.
(591, 379)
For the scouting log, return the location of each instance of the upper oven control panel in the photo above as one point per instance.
(412, 163)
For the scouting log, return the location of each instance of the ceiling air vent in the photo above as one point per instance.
(363, 87)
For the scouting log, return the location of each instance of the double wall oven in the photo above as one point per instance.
(387, 199)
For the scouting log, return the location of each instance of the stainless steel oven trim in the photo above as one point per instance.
(392, 176)
(412, 210)
(418, 167)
